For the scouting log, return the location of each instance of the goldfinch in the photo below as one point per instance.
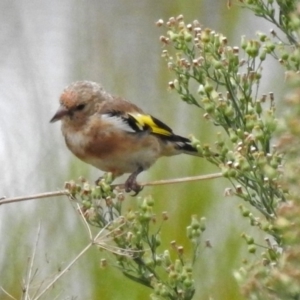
(114, 135)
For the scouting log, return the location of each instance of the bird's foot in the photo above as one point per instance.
(132, 185)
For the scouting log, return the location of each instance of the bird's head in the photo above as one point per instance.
(78, 102)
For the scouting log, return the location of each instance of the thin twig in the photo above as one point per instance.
(152, 183)
(184, 179)
(103, 242)
(85, 222)
(67, 268)
(63, 272)
(28, 279)
(175, 181)
(7, 293)
(36, 196)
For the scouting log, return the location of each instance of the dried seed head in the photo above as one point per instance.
(236, 50)
(196, 23)
(239, 189)
(189, 27)
(103, 263)
(173, 244)
(179, 18)
(228, 192)
(159, 23)
(273, 32)
(171, 21)
(171, 85)
(180, 250)
(208, 244)
(197, 29)
(165, 216)
(224, 40)
(165, 40)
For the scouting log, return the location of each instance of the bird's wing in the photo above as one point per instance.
(137, 122)
(129, 117)
(142, 122)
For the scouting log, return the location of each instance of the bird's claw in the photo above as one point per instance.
(132, 185)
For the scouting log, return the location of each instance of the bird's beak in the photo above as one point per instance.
(61, 112)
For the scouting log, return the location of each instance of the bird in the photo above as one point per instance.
(113, 134)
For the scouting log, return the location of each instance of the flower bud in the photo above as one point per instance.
(252, 249)
(160, 22)
(167, 258)
(195, 224)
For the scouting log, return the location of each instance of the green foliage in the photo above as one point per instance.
(276, 274)
(287, 21)
(224, 81)
(137, 239)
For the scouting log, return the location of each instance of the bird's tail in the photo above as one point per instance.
(176, 144)
(191, 146)
(185, 145)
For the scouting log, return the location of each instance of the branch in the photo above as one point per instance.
(8, 294)
(92, 242)
(152, 183)
(28, 279)
(32, 197)
(181, 180)
(64, 271)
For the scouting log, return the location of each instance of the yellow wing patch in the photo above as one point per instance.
(158, 127)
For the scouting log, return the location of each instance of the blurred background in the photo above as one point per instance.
(45, 45)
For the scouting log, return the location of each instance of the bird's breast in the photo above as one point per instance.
(77, 142)
(113, 150)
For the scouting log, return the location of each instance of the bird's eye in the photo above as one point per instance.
(80, 107)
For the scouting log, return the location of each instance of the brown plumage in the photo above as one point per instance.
(112, 134)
